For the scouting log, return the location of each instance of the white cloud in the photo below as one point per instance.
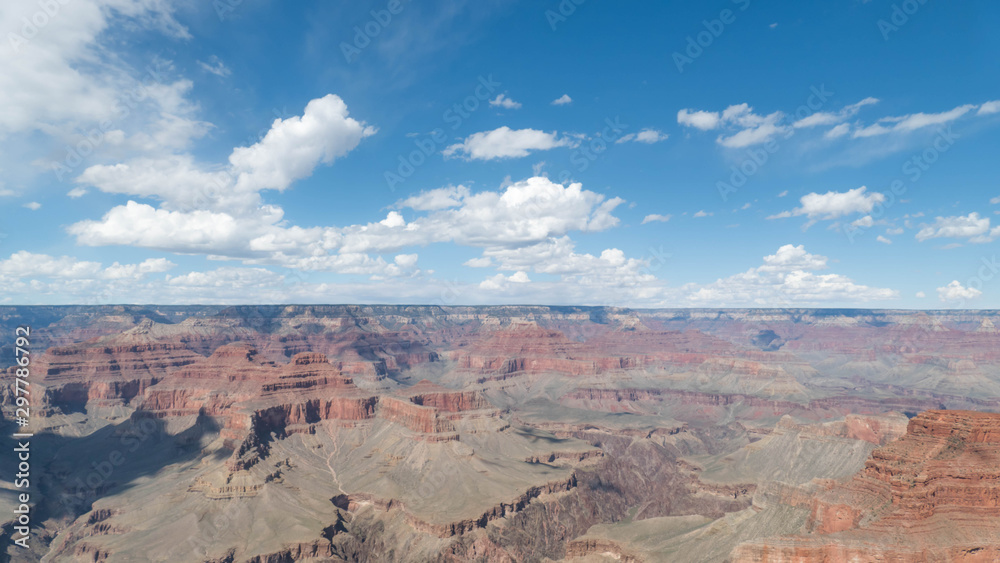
(440, 198)
(63, 77)
(989, 108)
(921, 294)
(655, 217)
(648, 136)
(883, 239)
(704, 120)
(289, 151)
(789, 258)
(702, 213)
(503, 101)
(294, 146)
(236, 278)
(864, 222)
(838, 131)
(783, 194)
(912, 122)
(971, 226)
(785, 279)
(501, 282)
(76, 192)
(745, 127)
(828, 118)
(524, 212)
(995, 200)
(832, 205)
(610, 271)
(562, 100)
(33, 205)
(506, 143)
(954, 291)
(482, 262)
(24, 264)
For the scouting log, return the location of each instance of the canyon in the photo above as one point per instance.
(270, 434)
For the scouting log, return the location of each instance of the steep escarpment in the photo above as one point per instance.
(933, 495)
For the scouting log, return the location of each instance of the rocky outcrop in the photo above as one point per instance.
(932, 495)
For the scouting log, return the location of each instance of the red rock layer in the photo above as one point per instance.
(932, 495)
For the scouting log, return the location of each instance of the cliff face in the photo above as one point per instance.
(512, 433)
(933, 495)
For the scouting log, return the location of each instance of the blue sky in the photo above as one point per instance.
(729, 153)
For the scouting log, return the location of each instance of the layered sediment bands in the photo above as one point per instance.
(413, 416)
(107, 374)
(932, 495)
(615, 400)
(459, 527)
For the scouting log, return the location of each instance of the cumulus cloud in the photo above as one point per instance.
(789, 258)
(523, 212)
(611, 276)
(654, 217)
(506, 143)
(482, 262)
(24, 264)
(440, 198)
(503, 101)
(989, 108)
(703, 213)
(293, 147)
(883, 239)
(786, 278)
(954, 291)
(745, 128)
(704, 120)
(501, 282)
(971, 227)
(290, 151)
(33, 205)
(562, 100)
(832, 205)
